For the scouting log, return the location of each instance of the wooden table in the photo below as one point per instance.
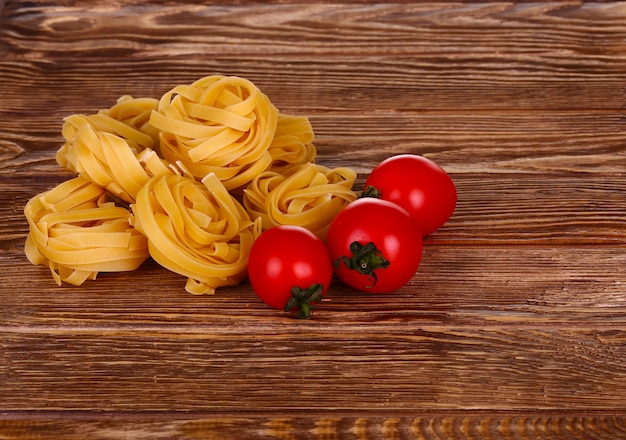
(514, 325)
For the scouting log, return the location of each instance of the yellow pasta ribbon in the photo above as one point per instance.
(115, 147)
(135, 112)
(307, 195)
(128, 118)
(77, 233)
(197, 230)
(109, 161)
(293, 142)
(220, 125)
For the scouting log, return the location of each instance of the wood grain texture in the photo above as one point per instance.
(514, 326)
(367, 368)
(328, 426)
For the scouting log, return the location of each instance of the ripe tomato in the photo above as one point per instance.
(375, 245)
(417, 184)
(289, 268)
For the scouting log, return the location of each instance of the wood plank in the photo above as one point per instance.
(448, 50)
(322, 84)
(365, 368)
(512, 142)
(398, 28)
(330, 425)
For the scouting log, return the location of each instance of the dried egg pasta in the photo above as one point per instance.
(107, 160)
(307, 195)
(77, 233)
(135, 112)
(293, 142)
(197, 230)
(176, 161)
(220, 125)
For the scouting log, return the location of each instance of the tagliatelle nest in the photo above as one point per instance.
(196, 229)
(220, 125)
(307, 195)
(116, 154)
(77, 233)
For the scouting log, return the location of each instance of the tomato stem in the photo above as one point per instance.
(301, 300)
(370, 191)
(365, 259)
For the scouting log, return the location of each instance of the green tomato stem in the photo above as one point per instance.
(370, 191)
(365, 259)
(301, 300)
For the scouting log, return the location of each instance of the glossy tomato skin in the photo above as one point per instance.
(284, 257)
(392, 231)
(417, 184)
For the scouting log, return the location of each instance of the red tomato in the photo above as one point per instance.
(289, 268)
(417, 184)
(375, 245)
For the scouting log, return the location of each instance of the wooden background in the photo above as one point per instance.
(514, 326)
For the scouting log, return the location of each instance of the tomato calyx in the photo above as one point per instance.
(301, 300)
(370, 191)
(365, 259)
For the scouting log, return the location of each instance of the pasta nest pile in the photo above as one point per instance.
(191, 180)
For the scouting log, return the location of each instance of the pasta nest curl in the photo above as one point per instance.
(220, 125)
(77, 233)
(108, 161)
(292, 143)
(135, 112)
(195, 229)
(308, 195)
(129, 119)
(114, 153)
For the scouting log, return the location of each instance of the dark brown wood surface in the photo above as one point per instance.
(514, 326)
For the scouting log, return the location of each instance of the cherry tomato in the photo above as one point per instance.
(417, 184)
(375, 245)
(289, 269)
